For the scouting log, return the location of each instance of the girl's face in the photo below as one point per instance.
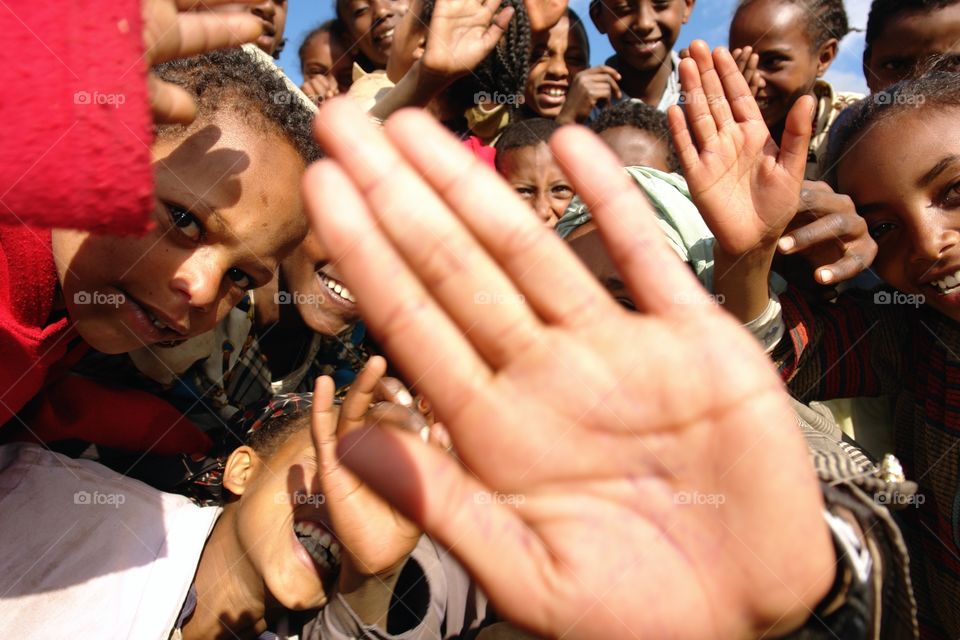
(534, 174)
(909, 195)
(557, 56)
(227, 208)
(788, 64)
(314, 285)
(910, 39)
(326, 56)
(371, 24)
(642, 32)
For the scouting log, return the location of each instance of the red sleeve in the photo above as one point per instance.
(482, 151)
(75, 124)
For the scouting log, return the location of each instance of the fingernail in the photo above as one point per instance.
(826, 275)
(786, 243)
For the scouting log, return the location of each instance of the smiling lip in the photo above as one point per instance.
(177, 329)
(328, 286)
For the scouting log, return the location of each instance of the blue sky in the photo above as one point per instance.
(709, 21)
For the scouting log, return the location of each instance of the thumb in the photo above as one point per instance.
(450, 504)
(796, 137)
(496, 29)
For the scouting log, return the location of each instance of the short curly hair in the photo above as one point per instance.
(639, 115)
(526, 133)
(255, 90)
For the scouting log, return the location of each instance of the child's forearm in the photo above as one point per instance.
(415, 89)
(740, 282)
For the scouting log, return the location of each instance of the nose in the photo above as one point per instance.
(265, 10)
(557, 67)
(541, 206)
(930, 235)
(199, 280)
(645, 19)
(382, 8)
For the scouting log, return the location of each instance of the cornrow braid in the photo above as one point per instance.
(827, 19)
(505, 70)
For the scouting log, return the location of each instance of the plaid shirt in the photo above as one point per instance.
(865, 346)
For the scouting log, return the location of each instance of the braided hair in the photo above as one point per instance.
(827, 19)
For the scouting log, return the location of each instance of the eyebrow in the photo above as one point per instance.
(937, 169)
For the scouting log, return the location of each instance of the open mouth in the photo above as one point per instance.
(553, 91)
(947, 285)
(336, 288)
(384, 36)
(319, 542)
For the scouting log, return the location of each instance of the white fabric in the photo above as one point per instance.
(89, 553)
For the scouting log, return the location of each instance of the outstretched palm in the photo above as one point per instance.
(462, 33)
(746, 188)
(624, 475)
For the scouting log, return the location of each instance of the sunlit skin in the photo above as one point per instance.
(211, 241)
(642, 33)
(908, 40)
(273, 19)
(557, 56)
(789, 64)
(637, 147)
(534, 174)
(325, 56)
(911, 199)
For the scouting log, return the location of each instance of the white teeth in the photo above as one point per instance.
(319, 544)
(948, 284)
(156, 323)
(338, 288)
(556, 92)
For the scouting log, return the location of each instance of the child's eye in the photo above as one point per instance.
(359, 11)
(951, 196)
(897, 64)
(525, 192)
(773, 64)
(881, 229)
(240, 278)
(562, 191)
(185, 222)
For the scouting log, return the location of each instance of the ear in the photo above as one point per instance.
(687, 9)
(596, 7)
(239, 470)
(826, 55)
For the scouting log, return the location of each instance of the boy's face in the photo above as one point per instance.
(326, 56)
(314, 285)
(637, 147)
(586, 242)
(909, 40)
(788, 63)
(282, 526)
(557, 56)
(227, 208)
(909, 195)
(371, 23)
(642, 32)
(536, 176)
(273, 16)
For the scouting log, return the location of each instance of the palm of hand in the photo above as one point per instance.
(679, 467)
(460, 36)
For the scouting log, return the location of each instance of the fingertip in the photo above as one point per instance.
(786, 244)
(825, 276)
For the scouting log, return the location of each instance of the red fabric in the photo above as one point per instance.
(75, 125)
(482, 151)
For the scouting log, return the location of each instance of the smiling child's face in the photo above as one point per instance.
(326, 56)
(910, 39)
(909, 196)
(643, 32)
(789, 64)
(557, 56)
(227, 209)
(371, 24)
(316, 287)
(281, 523)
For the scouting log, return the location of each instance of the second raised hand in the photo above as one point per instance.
(463, 33)
(746, 188)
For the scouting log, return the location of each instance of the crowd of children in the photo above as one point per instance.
(707, 390)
